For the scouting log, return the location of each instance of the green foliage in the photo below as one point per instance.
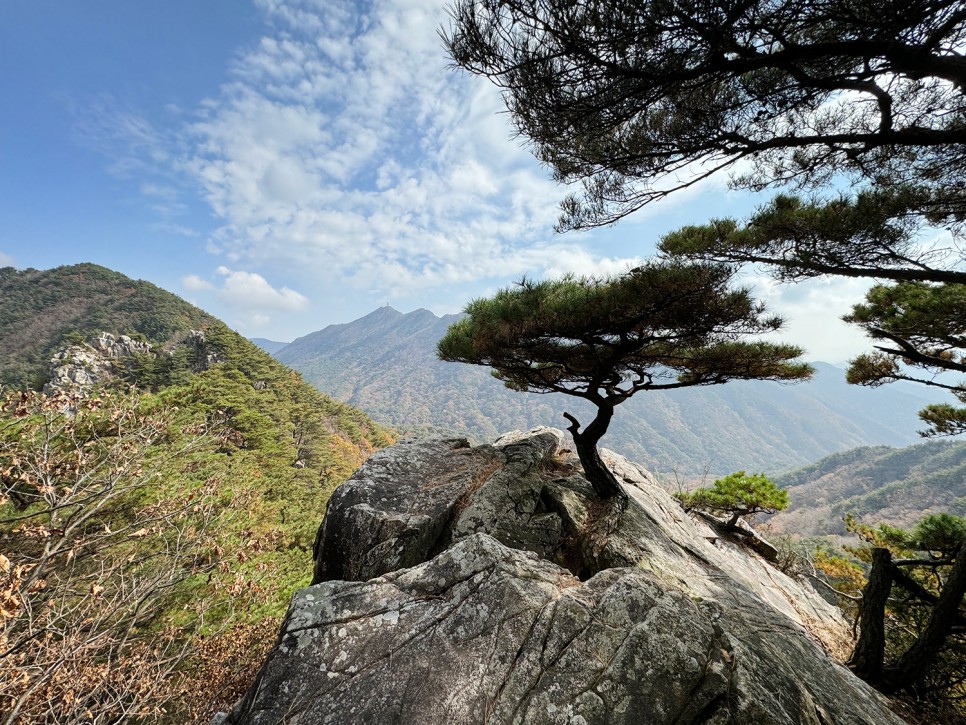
(39, 309)
(920, 324)
(944, 419)
(661, 326)
(876, 233)
(884, 535)
(943, 533)
(749, 94)
(385, 364)
(738, 494)
(923, 582)
(914, 320)
(234, 452)
(635, 101)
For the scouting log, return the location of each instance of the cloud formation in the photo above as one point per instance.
(194, 283)
(345, 148)
(251, 291)
(813, 313)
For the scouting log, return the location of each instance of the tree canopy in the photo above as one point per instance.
(916, 322)
(922, 326)
(638, 100)
(739, 494)
(663, 325)
(624, 96)
(878, 233)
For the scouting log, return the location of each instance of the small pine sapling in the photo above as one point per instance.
(738, 494)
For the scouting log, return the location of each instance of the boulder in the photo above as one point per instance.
(408, 502)
(489, 585)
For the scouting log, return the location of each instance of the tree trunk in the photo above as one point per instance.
(604, 483)
(866, 660)
(914, 664)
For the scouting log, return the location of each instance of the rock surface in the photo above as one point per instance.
(78, 368)
(487, 585)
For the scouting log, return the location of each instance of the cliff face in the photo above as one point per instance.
(487, 585)
(106, 357)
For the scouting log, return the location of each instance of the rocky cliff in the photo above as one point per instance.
(459, 584)
(105, 357)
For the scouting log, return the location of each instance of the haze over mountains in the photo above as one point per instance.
(385, 364)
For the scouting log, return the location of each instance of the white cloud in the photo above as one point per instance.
(582, 263)
(251, 291)
(195, 283)
(6, 260)
(343, 148)
(813, 312)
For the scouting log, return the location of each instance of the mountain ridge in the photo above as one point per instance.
(195, 466)
(879, 484)
(39, 308)
(385, 364)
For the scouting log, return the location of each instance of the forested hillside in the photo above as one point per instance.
(876, 484)
(38, 308)
(385, 364)
(162, 520)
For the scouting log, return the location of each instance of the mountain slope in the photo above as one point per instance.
(38, 308)
(269, 346)
(199, 491)
(878, 484)
(385, 364)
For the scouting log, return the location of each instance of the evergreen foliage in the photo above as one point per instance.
(385, 364)
(915, 321)
(43, 310)
(639, 100)
(738, 495)
(921, 325)
(912, 616)
(625, 97)
(661, 326)
(201, 477)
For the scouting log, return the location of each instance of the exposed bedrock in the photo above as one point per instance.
(489, 585)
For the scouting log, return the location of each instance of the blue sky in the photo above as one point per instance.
(289, 164)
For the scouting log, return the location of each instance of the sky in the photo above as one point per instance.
(290, 164)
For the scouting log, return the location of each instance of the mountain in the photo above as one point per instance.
(385, 364)
(158, 505)
(269, 346)
(39, 308)
(877, 484)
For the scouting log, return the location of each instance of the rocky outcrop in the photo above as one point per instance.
(488, 585)
(78, 368)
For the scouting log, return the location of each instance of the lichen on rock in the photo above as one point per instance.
(458, 584)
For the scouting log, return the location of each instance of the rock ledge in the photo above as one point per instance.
(487, 585)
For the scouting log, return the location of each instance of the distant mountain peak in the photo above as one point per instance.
(384, 311)
(385, 363)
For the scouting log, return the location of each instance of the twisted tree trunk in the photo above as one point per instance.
(914, 664)
(605, 484)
